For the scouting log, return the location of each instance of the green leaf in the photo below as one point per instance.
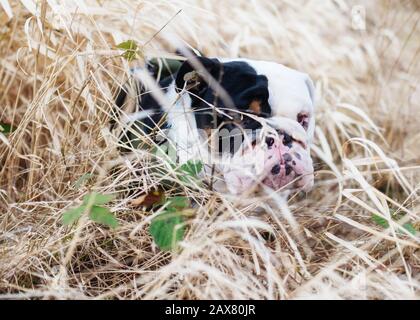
(167, 229)
(380, 221)
(128, 45)
(6, 128)
(72, 215)
(131, 48)
(192, 168)
(177, 203)
(82, 180)
(410, 228)
(130, 55)
(384, 223)
(104, 216)
(97, 198)
(166, 152)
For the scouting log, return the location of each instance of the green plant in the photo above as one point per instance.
(92, 205)
(131, 49)
(6, 128)
(385, 224)
(192, 168)
(168, 227)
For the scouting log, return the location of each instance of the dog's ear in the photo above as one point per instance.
(196, 73)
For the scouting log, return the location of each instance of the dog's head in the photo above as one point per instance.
(264, 119)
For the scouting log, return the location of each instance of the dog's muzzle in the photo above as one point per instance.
(279, 162)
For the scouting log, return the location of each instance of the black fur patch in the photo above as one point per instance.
(240, 81)
(148, 125)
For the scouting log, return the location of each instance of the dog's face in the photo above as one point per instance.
(269, 105)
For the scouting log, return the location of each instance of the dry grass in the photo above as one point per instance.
(59, 72)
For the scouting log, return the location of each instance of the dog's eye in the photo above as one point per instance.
(303, 119)
(287, 139)
(269, 141)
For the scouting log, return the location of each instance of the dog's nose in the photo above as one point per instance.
(275, 170)
(269, 141)
(287, 164)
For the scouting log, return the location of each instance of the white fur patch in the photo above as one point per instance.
(183, 128)
(290, 91)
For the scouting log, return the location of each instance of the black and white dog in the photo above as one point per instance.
(250, 122)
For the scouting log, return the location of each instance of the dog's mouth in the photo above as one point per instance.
(286, 177)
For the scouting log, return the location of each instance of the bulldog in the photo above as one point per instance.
(250, 122)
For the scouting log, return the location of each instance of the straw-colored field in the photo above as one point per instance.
(59, 72)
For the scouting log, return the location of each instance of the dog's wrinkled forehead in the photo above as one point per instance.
(265, 89)
(286, 125)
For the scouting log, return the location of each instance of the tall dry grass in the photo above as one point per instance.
(59, 73)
